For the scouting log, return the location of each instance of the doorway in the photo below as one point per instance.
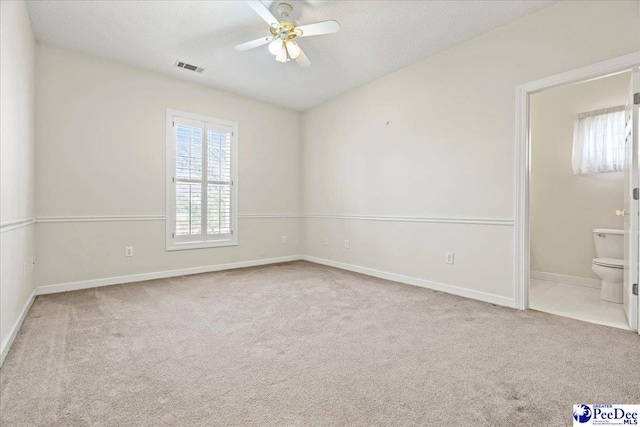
(579, 284)
(576, 188)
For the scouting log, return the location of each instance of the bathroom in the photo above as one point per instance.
(576, 201)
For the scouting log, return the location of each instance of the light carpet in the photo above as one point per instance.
(303, 344)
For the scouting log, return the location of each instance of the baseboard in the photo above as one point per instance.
(564, 278)
(95, 283)
(6, 345)
(455, 290)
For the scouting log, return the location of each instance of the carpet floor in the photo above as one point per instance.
(303, 344)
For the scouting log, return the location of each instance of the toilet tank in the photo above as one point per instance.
(609, 243)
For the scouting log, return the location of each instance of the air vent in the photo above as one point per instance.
(186, 66)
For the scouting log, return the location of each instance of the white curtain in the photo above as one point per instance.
(598, 141)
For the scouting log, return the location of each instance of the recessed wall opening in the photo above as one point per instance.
(576, 200)
(577, 227)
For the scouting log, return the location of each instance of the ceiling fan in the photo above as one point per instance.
(284, 31)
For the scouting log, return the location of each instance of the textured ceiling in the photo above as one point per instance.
(376, 38)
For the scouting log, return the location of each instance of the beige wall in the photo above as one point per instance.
(17, 46)
(565, 208)
(101, 152)
(436, 140)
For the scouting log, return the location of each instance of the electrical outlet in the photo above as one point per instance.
(284, 240)
(346, 244)
(448, 257)
(326, 241)
(128, 251)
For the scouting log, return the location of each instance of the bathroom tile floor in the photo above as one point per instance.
(577, 302)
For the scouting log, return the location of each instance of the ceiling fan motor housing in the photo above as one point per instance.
(285, 30)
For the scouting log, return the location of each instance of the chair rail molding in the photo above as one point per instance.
(270, 216)
(392, 218)
(110, 218)
(428, 219)
(16, 224)
(98, 218)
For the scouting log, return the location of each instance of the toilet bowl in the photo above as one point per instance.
(609, 263)
(611, 271)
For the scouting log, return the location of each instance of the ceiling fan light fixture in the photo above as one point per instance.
(282, 56)
(275, 47)
(293, 49)
(283, 30)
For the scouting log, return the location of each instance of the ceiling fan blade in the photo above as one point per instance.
(303, 60)
(253, 43)
(262, 10)
(324, 27)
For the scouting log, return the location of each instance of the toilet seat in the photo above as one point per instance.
(609, 262)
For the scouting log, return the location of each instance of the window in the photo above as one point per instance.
(201, 181)
(598, 141)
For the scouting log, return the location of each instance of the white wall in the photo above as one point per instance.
(564, 207)
(101, 152)
(436, 141)
(17, 94)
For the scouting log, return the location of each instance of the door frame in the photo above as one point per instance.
(522, 246)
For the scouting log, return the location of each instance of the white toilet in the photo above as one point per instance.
(609, 262)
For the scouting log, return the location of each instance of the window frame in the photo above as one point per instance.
(173, 244)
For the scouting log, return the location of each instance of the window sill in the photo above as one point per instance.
(200, 245)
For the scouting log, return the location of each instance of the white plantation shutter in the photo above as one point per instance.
(188, 178)
(219, 181)
(201, 209)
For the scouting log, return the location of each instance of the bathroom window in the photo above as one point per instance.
(598, 141)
